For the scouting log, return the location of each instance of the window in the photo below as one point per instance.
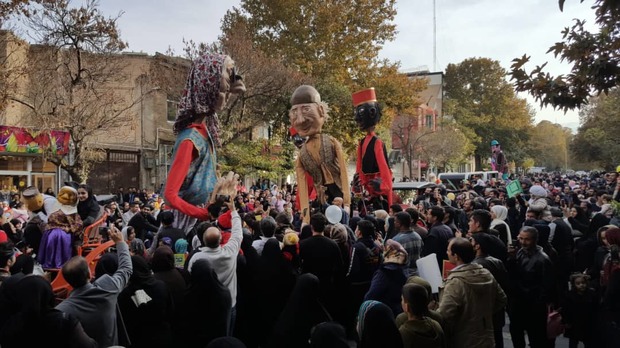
(171, 111)
(125, 157)
(429, 121)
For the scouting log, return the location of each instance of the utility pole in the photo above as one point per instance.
(434, 35)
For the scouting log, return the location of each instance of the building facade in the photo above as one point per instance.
(135, 152)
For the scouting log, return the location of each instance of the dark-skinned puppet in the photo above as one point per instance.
(192, 178)
(372, 166)
(321, 156)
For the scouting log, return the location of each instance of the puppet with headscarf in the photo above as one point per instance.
(372, 168)
(192, 178)
(321, 156)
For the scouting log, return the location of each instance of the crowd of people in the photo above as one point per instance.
(254, 275)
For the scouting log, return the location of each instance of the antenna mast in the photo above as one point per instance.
(434, 35)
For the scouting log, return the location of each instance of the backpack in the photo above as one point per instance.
(610, 266)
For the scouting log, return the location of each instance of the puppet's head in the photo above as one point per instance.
(495, 146)
(367, 110)
(68, 199)
(308, 112)
(210, 82)
(33, 199)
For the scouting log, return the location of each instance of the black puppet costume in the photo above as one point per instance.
(372, 167)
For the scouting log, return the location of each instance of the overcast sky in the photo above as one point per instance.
(497, 29)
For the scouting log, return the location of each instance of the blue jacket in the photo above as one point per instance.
(387, 285)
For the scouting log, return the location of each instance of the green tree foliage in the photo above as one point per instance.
(319, 37)
(597, 140)
(594, 57)
(336, 43)
(485, 107)
(259, 158)
(447, 147)
(550, 143)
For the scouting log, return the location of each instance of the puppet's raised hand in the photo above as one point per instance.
(225, 188)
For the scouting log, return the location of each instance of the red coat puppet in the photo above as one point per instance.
(372, 165)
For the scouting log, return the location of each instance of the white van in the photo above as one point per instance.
(453, 181)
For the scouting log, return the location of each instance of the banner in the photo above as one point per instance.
(31, 141)
(514, 188)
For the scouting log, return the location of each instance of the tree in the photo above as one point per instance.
(409, 136)
(319, 37)
(550, 142)
(485, 107)
(594, 57)
(597, 139)
(447, 147)
(70, 74)
(336, 44)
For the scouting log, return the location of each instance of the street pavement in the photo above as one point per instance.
(560, 341)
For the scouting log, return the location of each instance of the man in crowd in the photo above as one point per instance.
(438, 236)
(267, 229)
(531, 272)
(144, 223)
(410, 240)
(134, 208)
(480, 222)
(94, 304)
(470, 298)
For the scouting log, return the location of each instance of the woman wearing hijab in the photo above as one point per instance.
(162, 264)
(274, 285)
(33, 309)
(163, 268)
(88, 208)
(387, 282)
(499, 213)
(206, 315)
(376, 326)
(247, 315)
(329, 334)
(146, 306)
(303, 311)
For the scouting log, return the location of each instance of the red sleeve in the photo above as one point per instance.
(186, 153)
(384, 171)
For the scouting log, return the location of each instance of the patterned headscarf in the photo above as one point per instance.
(201, 94)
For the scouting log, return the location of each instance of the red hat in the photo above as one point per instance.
(364, 96)
(224, 221)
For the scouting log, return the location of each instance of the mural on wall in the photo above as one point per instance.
(32, 141)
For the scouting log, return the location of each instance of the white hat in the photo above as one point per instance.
(538, 191)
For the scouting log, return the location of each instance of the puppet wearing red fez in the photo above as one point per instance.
(372, 168)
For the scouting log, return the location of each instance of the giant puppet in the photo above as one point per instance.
(321, 156)
(192, 178)
(372, 167)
